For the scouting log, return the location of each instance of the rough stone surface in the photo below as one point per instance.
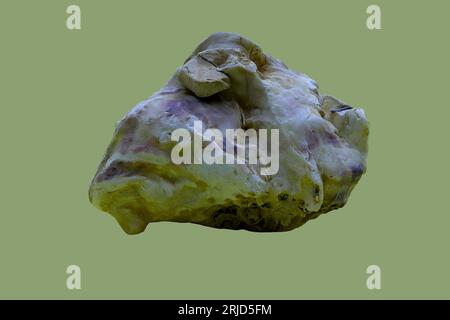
(228, 82)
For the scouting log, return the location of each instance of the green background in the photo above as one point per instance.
(62, 92)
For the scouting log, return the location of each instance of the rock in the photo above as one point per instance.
(229, 83)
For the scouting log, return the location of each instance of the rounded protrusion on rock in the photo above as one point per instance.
(130, 221)
(202, 78)
(351, 123)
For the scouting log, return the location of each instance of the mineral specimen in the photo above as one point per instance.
(229, 83)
